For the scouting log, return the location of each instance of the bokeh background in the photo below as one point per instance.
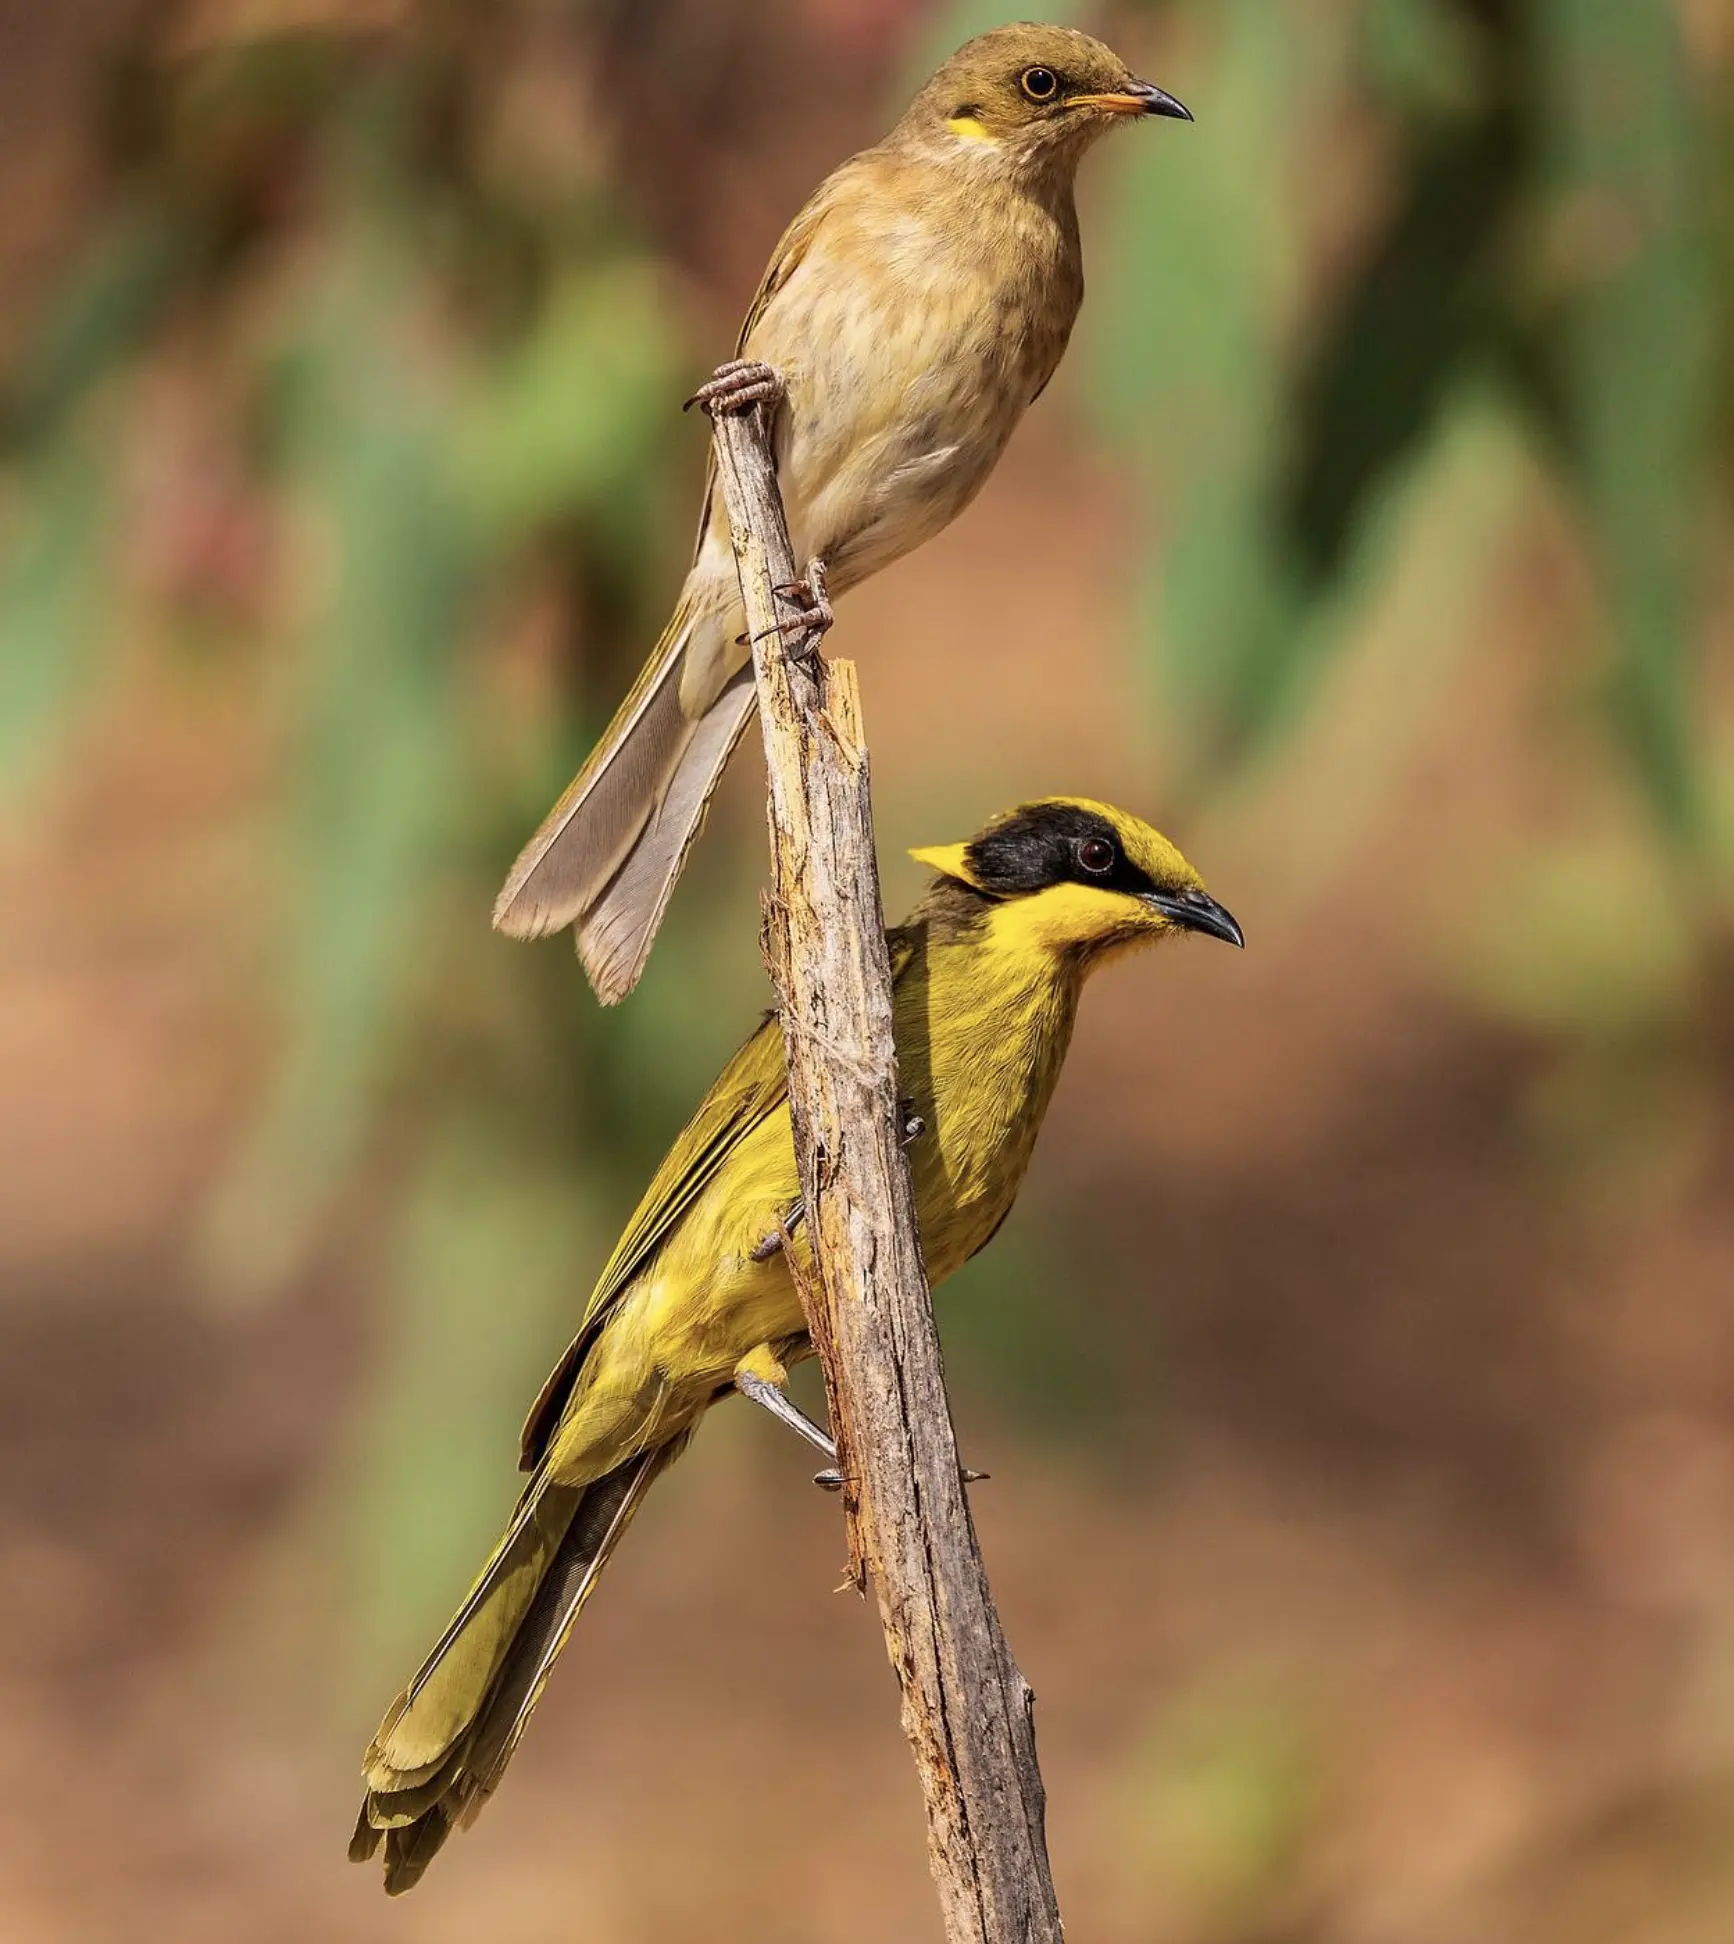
(1357, 1373)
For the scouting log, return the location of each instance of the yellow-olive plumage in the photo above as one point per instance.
(914, 308)
(986, 974)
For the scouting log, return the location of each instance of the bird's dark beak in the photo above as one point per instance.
(1158, 101)
(1197, 911)
(1137, 98)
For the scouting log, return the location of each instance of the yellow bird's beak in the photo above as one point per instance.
(1136, 98)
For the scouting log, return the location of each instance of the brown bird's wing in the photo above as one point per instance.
(753, 1085)
(786, 259)
(793, 246)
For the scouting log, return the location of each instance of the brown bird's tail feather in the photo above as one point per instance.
(446, 1740)
(607, 855)
(619, 927)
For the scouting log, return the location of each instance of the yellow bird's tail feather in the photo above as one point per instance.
(446, 1740)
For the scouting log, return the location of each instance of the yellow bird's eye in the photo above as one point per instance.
(1096, 855)
(1039, 83)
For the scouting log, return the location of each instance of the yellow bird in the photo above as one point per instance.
(697, 1299)
(914, 309)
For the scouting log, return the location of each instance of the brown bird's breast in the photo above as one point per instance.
(930, 307)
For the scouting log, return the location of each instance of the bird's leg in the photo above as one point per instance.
(772, 1244)
(773, 1398)
(738, 386)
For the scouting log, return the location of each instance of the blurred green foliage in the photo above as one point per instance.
(1537, 238)
(1547, 222)
(1626, 160)
(439, 381)
(1218, 1801)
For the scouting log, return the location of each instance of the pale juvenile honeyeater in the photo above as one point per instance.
(914, 309)
(697, 1299)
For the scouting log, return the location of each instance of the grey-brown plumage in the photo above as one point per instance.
(914, 308)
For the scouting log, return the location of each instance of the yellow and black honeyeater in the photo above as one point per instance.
(697, 1299)
(914, 308)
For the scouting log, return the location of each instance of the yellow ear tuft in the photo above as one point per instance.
(967, 129)
(949, 860)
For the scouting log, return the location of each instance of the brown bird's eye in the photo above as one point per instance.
(1039, 84)
(1096, 854)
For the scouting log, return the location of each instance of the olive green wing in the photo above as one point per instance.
(751, 1087)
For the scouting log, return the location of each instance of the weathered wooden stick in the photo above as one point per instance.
(967, 1710)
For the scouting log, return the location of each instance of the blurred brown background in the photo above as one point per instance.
(1357, 1375)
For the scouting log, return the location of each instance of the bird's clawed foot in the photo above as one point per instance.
(832, 1480)
(811, 596)
(737, 387)
(803, 630)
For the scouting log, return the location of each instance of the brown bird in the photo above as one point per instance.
(912, 311)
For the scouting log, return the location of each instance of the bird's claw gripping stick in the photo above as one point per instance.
(738, 386)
